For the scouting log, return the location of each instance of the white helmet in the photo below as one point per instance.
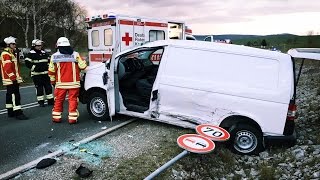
(10, 40)
(63, 41)
(36, 42)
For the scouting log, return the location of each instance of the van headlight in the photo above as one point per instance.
(82, 76)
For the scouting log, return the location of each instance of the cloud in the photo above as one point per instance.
(206, 12)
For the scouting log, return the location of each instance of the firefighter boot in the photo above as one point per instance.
(10, 112)
(73, 117)
(41, 103)
(56, 117)
(20, 116)
(50, 101)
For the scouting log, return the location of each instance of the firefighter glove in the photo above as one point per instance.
(15, 82)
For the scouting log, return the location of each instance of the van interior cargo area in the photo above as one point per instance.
(136, 78)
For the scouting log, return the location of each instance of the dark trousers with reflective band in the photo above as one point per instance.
(41, 82)
(13, 98)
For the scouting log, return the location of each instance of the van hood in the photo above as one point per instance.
(96, 68)
(305, 53)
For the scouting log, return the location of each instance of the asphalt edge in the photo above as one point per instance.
(14, 172)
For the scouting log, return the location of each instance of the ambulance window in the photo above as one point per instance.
(108, 37)
(95, 38)
(156, 35)
(207, 39)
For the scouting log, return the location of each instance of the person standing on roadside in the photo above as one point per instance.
(11, 78)
(64, 72)
(37, 61)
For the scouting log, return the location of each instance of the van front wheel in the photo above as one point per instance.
(245, 139)
(97, 106)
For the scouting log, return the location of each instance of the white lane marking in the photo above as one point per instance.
(25, 106)
(14, 172)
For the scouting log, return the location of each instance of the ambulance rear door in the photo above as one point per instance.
(126, 33)
(176, 30)
(101, 40)
(139, 36)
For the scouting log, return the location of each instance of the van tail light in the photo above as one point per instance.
(292, 111)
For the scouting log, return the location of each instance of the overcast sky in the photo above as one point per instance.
(259, 17)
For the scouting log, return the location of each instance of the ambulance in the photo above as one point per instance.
(104, 30)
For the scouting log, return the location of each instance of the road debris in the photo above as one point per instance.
(85, 150)
(45, 163)
(83, 171)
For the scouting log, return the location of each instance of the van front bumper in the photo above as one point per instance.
(82, 93)
(286, 140)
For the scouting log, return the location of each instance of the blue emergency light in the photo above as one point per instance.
(111, 16)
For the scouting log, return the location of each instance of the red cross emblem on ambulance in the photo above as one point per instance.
(127, 39)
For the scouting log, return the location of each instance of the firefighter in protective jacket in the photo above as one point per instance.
(64, 72)
(11, 78)
(37, 61)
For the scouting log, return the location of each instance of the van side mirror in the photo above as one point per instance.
(154, 95)
(108, 65)
(105, 78)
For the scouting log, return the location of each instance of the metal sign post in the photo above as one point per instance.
(200, 143)
(191, 143)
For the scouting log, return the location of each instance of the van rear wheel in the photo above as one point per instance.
(245, 139)
(97, 106)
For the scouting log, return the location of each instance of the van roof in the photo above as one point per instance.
(212, 46)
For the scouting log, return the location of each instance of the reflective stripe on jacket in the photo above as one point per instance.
(37, 61)
(64, 71)
(9, 67)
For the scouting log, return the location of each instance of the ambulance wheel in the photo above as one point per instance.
(97, 106)
(245, 139)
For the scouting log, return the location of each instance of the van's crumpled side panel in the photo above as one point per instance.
(199, 107)
(217, 114)
(191, 106)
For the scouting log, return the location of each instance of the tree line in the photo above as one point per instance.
(43, 19)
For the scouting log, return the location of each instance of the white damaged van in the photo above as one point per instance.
(248, 91)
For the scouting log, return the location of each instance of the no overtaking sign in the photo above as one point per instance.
(195, 143)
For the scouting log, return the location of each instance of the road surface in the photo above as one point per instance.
(22, 141)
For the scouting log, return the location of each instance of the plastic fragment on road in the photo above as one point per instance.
(45, 163)
(83, 171)
(85, 150)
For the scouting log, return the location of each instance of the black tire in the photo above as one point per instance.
(97, 106)
(246, 139)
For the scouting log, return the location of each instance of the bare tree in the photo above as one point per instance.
(19, 10)
(41, 18)
(310, 39)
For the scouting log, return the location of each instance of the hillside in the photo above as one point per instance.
(227, 36)
(280, 41)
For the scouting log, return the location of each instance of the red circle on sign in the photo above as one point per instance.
(210, 128)
(195, 143)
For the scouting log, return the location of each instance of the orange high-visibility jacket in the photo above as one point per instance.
(64, 70)
(9, 66)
